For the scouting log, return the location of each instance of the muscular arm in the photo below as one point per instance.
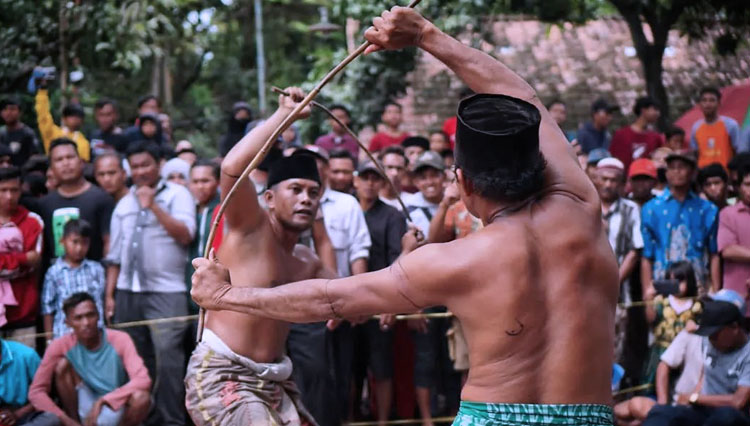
(323, 246)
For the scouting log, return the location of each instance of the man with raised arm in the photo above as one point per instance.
(239, 374)
(535, 289)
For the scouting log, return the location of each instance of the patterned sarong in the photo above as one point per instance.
(486, 414)
(223, 388)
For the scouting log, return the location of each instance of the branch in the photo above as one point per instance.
(194, 76)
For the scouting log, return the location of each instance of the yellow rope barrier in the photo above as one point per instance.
(403, 422)
(633, 389)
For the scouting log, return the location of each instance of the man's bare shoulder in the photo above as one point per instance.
(305, 254)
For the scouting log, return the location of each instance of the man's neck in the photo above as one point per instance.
(639, 125)
(388, 193)
(121, 193)
(13, 126)
(6, 215)
(73, 263)
(339, 133)
(679, 193)
(71, 189)
(288, 239)
(598, 127)
(711, 118)
(367, 204)
(435, 200)
(92, 343)
(394, 131)
(107, 130)
(607, 204)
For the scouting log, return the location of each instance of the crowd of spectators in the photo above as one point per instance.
(98, 229)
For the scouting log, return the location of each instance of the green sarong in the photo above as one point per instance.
(488, 414)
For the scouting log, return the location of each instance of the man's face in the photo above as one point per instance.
(724, 339)
(679, 173)
(148, 128)
(72, 122)
(76, 246)
(83, 319)
(65, 164)
(676, 142)
(744, 190)
(342, 116)
(610, 183)
(392, 116)
(143, 169)
(413, 153)
(709, 104)
(368, 185)
(602, 118)
(106, 117)
(11, 114)
(242, 115)
(5, 161)
(341, 174)
(642, 186)
(559, 113)
(651, 114)
(10, 193)
(151, 106)
(395, 167)
(716, 190)
(430, 182)
(438, 142)
(294, 203)
(203, 184)
(109, 175)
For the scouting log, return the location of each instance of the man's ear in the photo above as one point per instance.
(464, 183)
(268, 197)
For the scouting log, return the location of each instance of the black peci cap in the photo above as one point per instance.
(294, 167)
(496, 132)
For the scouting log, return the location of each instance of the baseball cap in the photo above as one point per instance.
(598, 154)
(642, 167)
(724, 308)
(610, 163)
(684, 155)
(602, 104)
(368, 166)
(429, 159)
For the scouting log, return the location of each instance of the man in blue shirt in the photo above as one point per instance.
(679, 225)
(594, 134)
(18, 363)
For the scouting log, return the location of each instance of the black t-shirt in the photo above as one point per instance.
(386, 225)
(22, 143)
(94, 206)
(103, 141)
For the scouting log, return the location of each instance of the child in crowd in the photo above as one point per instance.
(71, 274)
(671, 314)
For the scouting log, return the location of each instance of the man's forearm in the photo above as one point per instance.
(626, 268)
(113, 271)
(736, 253)
(646, 274)
(438, 233)
(729, 400)
(662, 383)
(359, 266)
(715, 272)
(481, 72)
(249, 146)
(174, 227)
(47, 320)
(305, 301)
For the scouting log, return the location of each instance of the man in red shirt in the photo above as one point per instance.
(636, 140)
(391, 118)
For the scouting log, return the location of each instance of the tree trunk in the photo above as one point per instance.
(652, 73)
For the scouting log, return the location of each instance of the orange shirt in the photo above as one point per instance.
(715, 141)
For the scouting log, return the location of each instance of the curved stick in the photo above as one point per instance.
(267, 146)
(361, 145)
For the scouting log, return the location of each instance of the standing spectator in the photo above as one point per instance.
(394, 163)
(675, 139)
(452, 219)
(148, 129)
(642, 177)
(204, 186)
(715, 137)
(148, 104)
(390, 135)
(98, 375)
(713, 182)
(110, 175)
(725, 393)
(439, 141)
(151, 229)
(594, 134)
(72, 120)
(107, 136)
(18, 364)
(679, 225)
(21, 317)
(386, 226)
(184, 151)
(166, 127)
(559, 112)
(594, 157)
(637, 140)
(341, 171)
(75, 198)
(623, 224)
(18, 137)
(414, 146)
(734, 238)
(429, 177)
(176, 171)
(338, 137)
(323, 358)
(659, 157)
(71, 274)
(241, 116)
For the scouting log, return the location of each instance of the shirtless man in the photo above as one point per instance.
(239, 374)
(535, 289)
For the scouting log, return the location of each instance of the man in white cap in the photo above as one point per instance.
(623, 227)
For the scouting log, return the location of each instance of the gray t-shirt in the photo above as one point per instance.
(685, 351)
(724, 372)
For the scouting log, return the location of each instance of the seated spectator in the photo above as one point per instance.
(97, 373)
(675, 139)
(72, 120)
(713, 180)
(684, 353)
(734, 238)
(723, 397)
(176, 171)
(18, 363)
(72, 273)
(670, 314)
(414, 146)
(110, 175)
